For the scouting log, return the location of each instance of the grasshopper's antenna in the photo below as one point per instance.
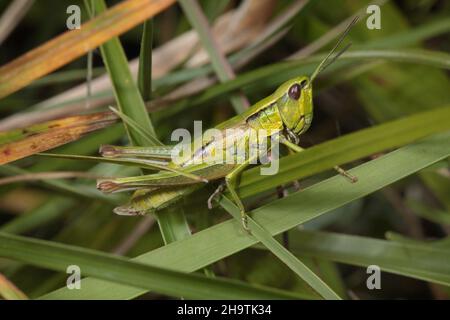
(326, 61)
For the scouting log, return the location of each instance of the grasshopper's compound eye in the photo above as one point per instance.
(295, 91)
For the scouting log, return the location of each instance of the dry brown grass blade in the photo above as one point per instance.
(242, 28)
(52, 134)
(75, 43)
(165, 58)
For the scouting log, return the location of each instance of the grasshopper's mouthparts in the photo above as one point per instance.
(308, 119)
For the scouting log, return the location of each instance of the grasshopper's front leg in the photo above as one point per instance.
(297, 148)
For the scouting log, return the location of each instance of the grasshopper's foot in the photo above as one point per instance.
(345, 174)
(215, 194)
(244, 222)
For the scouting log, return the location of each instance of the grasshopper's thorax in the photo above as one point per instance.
(294, 102)
(268, 119)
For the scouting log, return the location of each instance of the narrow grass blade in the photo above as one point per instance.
(282, 253)
(145, 61)
(143, 132)
(218, 60)
(126, 92)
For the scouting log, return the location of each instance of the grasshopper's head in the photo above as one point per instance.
(294, 97)
(294, 101)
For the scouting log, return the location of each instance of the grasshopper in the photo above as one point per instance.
(287, 113)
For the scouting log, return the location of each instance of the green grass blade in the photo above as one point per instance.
(218, 61)
(126, 92)
(57, 257)
(173, 225)
(282, 253)
(225, 239)
(145, 61)
(421, 261)
(144, 133)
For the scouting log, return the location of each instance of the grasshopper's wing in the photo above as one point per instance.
(242, 117)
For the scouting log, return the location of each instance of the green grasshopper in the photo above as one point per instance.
(283, 117)
(287, 113)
